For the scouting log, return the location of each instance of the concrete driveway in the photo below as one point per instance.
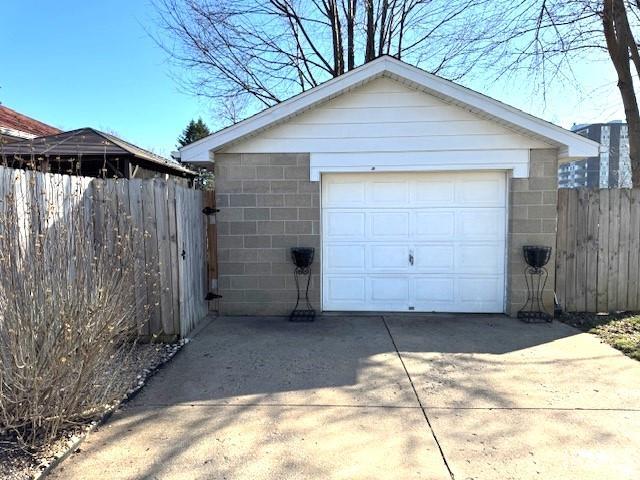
(433, 397)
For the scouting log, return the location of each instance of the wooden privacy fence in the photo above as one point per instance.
(598, 250)
(167, 234)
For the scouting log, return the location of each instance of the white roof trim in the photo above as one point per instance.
(12, 132)
(571, 145)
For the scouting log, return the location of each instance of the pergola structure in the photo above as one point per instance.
(91, 153)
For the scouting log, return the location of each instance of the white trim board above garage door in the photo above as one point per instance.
(414, 241)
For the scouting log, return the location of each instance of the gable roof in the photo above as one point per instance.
(571, 145)
(18, 125)
(86, 142)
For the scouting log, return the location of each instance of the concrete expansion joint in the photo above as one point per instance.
(543, 409)
(263, 404)
(415, 392)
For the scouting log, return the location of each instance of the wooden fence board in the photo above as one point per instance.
(164, 255)
(570, 289)
(582, 222)
(190, 247)
(603, 252)
(110, 206)
(591, 249)
(171, 212)
(634, 251)
(151, 257)
(623, 249)
(561, 248)
(98, 212)
(139, 268)
(614, 237)
(182, 293)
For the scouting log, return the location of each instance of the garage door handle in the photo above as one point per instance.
(411, 258)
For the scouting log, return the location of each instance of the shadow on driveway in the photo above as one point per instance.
(378, 397)
(333, 361)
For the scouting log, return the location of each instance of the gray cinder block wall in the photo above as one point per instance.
(532, 221)
(267, 205)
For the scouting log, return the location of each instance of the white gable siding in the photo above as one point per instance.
(385, 116)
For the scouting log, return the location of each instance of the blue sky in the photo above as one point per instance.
(84, 63)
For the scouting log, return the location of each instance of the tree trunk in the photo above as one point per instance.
(614, 21)
(370, 50)
(350, 15)
(401, 32)
(633, 122)
(383, 27)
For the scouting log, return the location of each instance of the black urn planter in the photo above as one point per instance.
(536, 256)
(302, 258)
(535, 274)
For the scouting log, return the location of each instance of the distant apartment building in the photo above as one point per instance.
(611, 169)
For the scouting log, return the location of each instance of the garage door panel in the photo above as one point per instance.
(390, 289)
(346, 257)
(434, 225)
(345, 289)
(474, 225)
(433, 193)
(451, 224)
(387, 193)
(389, 257)
(430, 290)
(345, 225)
(434, 258)
(478, 259)
(480, 290)
(480, 192)
(389, 225)
(344, 194)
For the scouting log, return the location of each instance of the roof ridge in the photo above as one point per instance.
(571, 144)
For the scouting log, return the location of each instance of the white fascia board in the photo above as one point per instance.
(196, 154)
(288, 108)
(12, 132)
(574, 145)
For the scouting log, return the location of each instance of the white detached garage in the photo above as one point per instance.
(417, 193)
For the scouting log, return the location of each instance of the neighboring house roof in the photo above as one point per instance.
(17, 125)
(87, 142)
(570, 145)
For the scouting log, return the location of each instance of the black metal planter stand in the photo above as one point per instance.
(302, 258)
(535, 275)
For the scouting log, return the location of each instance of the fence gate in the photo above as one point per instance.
(192, 262)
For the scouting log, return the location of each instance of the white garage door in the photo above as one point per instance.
(414, 241)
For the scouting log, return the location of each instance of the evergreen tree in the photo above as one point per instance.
(194, 131)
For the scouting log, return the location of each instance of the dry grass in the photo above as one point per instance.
(621, 331)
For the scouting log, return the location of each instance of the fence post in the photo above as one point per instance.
(212, 246)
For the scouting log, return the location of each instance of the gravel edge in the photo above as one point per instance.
(146, 375)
